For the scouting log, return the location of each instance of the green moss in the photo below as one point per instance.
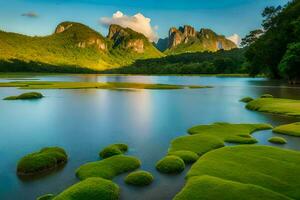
(267, 167)
(139, 178)
(232, 133)
(46, 159)
(212, 188)
(109, 167)
(288, 129)
(170, 165)
(187, 156)
(246, 99)
(92, 85)
(112, 150)
(277, 140)
(46, 197)
(91, 189)
(266, 96)
(198, 144)
(28, 95)
(276, 106)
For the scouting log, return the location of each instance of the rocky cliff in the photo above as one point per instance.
(187, 39)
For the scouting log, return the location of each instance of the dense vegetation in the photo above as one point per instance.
(27, 95)
(228, 62)
(275, 50)
(45, 160)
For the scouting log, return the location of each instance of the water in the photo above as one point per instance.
(85, 121)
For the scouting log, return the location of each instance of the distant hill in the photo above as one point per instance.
(74, 47)
(186, 39)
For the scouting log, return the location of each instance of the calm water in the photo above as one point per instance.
(84, 121)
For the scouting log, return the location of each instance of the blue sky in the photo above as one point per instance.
(223, 16)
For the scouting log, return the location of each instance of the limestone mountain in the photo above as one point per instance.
(75, 46)
(187, 39)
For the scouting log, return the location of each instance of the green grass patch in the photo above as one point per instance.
(109, 167)
(288, 129)
(45, 160)
(267, 167)
(276, 106)
(277, 140)
(212, 188)
(93, 85)
(91, 189)
(232, 133)
(246, 99)
(170, 165)
(199, 144)
(187, 156)
(112, 150)
(139, 178)
(28, 95)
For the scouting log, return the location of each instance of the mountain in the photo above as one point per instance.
(187, 39)
(74, 46)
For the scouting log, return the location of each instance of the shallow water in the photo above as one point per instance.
(84, 121)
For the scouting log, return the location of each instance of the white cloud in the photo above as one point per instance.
(137, 22)
(236, 39)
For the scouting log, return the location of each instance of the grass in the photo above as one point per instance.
(170, 165)
(246, 99)
(45, 160)
(28, 95)
(267, 167)
(92, 189)
(93, 85)
(112, 150)
(288, 129)
(187, 156)
(198, 144)
(276, 106)
(212, 188)
(232, 133)
(277, 140)
(139, 178)
(109, 167)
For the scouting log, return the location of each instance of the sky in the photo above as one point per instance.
(151, 17)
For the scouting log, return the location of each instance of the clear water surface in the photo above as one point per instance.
(85, 121)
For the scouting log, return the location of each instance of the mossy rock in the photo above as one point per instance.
(109, 167)
(46, 197)
(187, 156)
(266, 96)
(112, 150)
(292, 129)
(139, 178)
(170, 165)
(91, 189)
(246, 99)
(277, 140)
(28, 95)
(47, 159)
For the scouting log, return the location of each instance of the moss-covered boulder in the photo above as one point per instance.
(288, 129)
(277, 140)
(170, 165)
(91, 189)
(112, 150)
(46, 197)
(109, 167)
(45, 160)
(266, 96)
(246, 99)
(139, 178)
(28, 95)
(187, 156)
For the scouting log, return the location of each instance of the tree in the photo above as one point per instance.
(270, 16)
(251, 37)
(290, 64)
